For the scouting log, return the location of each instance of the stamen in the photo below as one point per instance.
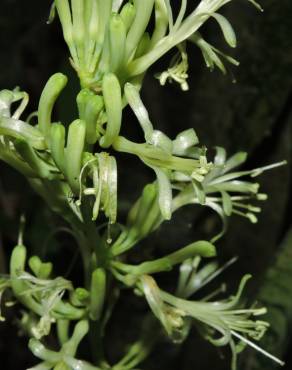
(257, 348)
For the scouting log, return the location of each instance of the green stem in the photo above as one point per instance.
(96, 342)
(63, 331)
(199, 248)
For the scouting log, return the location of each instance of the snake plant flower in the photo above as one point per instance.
(234, 325)
(40, 294)
(13, 129)
(110, 46)
(224, 190)
(112, 36)
(163, 155)
(23, 145)
(65, 358)
(47, 293)
(39, 151)
(164, 165)
(101, 169)
(103, 35)
(215, 185)
(177, 70)
(176, 31)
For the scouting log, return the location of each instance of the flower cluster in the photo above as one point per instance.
(112, 36)
(75, 169)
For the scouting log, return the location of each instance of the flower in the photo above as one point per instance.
(112, 37)
(65, 357)
(225, 318)
(222, 189)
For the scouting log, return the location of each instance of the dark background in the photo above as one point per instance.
(254, 115)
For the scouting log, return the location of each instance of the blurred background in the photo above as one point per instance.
(253, 114)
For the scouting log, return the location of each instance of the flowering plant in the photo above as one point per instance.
(75, 170)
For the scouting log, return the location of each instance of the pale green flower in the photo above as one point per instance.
(64, 359)
(220, 322)
(105, 36)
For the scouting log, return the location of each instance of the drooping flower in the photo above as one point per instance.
(220, 322)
